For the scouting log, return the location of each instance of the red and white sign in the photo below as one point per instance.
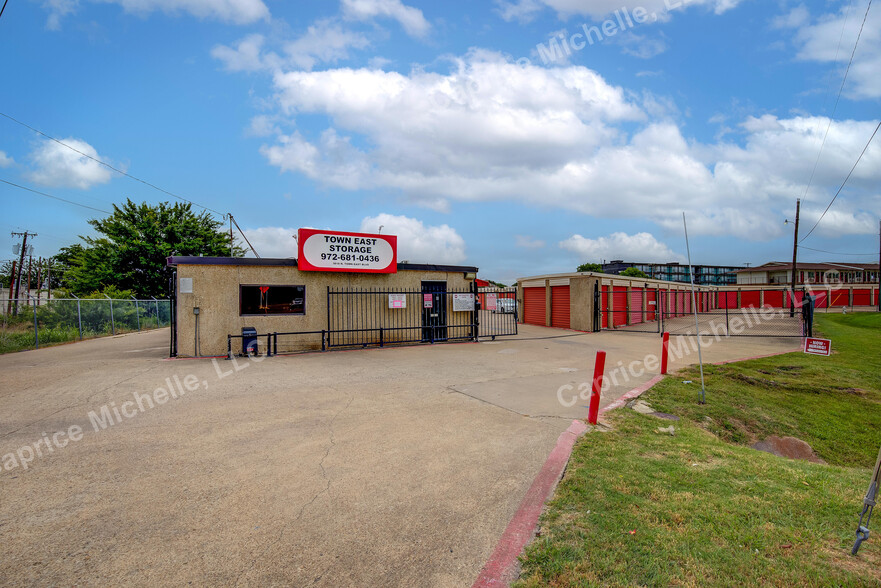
(397, 301)
(818, 346)
(335, 251)
(427, 301)
(492, 301)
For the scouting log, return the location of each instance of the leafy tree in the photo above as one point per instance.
(590, 267)
(134, 243)
(633, 272)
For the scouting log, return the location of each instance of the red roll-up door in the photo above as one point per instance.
(821, 299)
(774, 298)
(799, 296)
(750, 298)
(636, 313)
(560, 307)
(862, 297)
(619, 306)
(651, 305)
(534, 306)
(839, 298)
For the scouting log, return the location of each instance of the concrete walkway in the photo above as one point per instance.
(378, 467)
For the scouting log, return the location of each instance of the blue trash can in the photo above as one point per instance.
(249, 341)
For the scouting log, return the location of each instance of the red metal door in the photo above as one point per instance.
(560, 307)
(619, 306)
(534, 306)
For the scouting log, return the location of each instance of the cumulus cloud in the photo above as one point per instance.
(5, 160)
(563, 137)
(57, 166)
(418, 243)
(599, 9)
(275, 242)
(829, 38)
(411, 19)
(325, 41)
(642, 247)
(232, 11)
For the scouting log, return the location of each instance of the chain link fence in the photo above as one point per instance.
(27, 324)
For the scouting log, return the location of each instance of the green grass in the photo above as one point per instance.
(641, 508)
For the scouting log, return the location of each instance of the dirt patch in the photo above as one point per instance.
(788, 447)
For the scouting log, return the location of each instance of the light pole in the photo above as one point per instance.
(794, 257)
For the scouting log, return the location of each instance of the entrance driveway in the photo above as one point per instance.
(378, 467)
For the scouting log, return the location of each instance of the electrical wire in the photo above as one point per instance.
(55, 197)
(107, 165)
(836, 252)
(844, 182)
(838, 98)
(4, 7)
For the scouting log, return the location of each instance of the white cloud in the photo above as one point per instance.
(275, 242)
(58, 166)
(418, 243)
(491, 130)
(411, 19)
(325, 41)
(599, 9)
(829, 39)
(232, 11)
(247, 55)
(527, 242)
(5, 160)
(641, 247)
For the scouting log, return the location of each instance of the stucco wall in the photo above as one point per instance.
(216, 294)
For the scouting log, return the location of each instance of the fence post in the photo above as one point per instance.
(229, 346)
(137, 312)
(36, 327)
(79, 316)
(598, 368)
(158, 321)
(112, 322)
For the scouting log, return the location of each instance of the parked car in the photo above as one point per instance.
(506, 305)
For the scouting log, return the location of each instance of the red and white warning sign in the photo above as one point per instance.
(816, 346)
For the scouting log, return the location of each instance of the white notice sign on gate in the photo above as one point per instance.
(463, 302)
(491, 301)
(397, 301)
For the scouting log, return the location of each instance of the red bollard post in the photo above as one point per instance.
(664, 352)
(598, 369)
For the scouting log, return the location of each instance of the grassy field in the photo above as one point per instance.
(700, 508)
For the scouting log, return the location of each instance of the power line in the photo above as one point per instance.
(107, 165)
(243, 235)
(4, 7)
(55, 197)
(844, 182)
(840, 90)
(836, 252)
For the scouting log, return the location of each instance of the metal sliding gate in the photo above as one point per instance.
(744, 313)
(433, 313)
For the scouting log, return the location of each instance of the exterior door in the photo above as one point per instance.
(434, 318)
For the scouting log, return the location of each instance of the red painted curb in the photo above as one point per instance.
(500, 569)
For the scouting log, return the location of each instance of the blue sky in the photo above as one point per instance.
(446, 123)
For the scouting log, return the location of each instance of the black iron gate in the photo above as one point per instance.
(497, 312)
(432, 313)
(742, 313)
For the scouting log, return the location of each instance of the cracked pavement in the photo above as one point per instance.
(378, 467)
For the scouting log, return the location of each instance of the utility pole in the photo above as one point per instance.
(231, 242)
(49, 279)
(11, 286)
(28, 288)
(39, 279)
(794, 256)
(24, 246)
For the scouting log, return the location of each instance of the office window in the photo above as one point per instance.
(264, 299)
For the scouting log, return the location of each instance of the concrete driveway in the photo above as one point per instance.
(378, 467)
